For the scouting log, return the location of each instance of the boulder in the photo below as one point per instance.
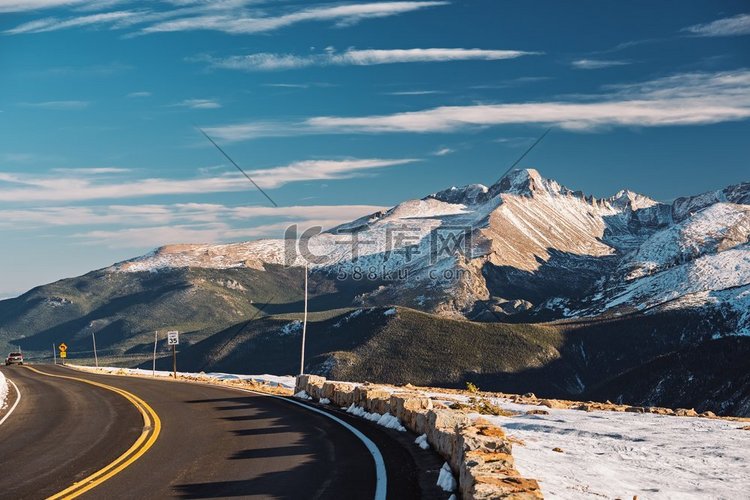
(552, 403)
(304, 383)
(682, 412)
(372, 398)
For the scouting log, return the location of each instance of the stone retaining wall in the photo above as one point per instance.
(479, 453)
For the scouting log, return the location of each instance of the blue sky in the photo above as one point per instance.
(339, 109)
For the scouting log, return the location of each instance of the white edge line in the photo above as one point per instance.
(18, 400)
(380, 474)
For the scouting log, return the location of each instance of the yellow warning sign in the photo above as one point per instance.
(62, 347)
(63, 354)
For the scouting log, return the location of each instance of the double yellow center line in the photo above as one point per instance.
(149, 435)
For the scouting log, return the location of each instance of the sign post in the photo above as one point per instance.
(96, 358)
(54, 353)
(63, 352)
(173, 339)
(153, 366)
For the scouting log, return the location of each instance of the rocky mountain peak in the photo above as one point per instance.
(526, 182)
(626, 198)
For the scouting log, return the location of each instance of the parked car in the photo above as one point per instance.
(14, 358)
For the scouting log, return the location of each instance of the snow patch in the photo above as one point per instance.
(421, 441)
(386, 420)
(3, 391)
(325, 401)
(302, 395)
(446, 480)
(292, 328)
(273, 380)
(390, 312)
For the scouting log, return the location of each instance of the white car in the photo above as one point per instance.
(14, 358)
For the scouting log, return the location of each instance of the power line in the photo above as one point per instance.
(238, 167)
(525, 153)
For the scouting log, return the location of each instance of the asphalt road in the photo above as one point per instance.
(214, 442)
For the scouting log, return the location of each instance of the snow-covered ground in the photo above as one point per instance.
(620, 455)
(604, 454)
(3, 391)
(274, 380)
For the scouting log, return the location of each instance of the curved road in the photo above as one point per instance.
(214, 442)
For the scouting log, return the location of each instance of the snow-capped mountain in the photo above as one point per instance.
(525, 244)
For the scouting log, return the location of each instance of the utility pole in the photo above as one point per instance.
(96, 358)
(153, 367)
(174, 361)
(54, 352)
(304, 328)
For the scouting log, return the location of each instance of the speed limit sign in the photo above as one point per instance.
(173, 338)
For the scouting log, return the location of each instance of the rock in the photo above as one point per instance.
(530, 395)
(746, 428)
(682, 412)
(537, 412)
(635, 409)
(708, 414)
(304, 383)
(558, 450)
(552, 403)
(372, 398)
(340, 393)
(407, 406)
(442, 430)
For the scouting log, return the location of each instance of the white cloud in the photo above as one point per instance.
(139, 94)
(85, 184)
(343, 15)
(181, 213)
(199, 104)
(597, 63)
(26, 5)
(444, 151)
(93, 170)
(683, 99)
(354, 57)
(139, 226)
(319, 170)
(415, 92)
(730, 26)
(229, 16)
(56, 105)
(55, 24)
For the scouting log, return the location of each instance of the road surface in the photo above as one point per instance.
(201, 442)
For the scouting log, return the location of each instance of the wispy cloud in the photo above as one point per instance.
(139, 94)
(342, 15)
(444, 152)
(730, 26)
(179, 213)
(93, 170)
(56, 24)
(354, 57)
(27, 5)
(56, 105)
(683, 99)
(597, 63)
(87, 184)
(199, 104)
(415, 92)
(229, 16)
(138, 226)
(319, 170)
